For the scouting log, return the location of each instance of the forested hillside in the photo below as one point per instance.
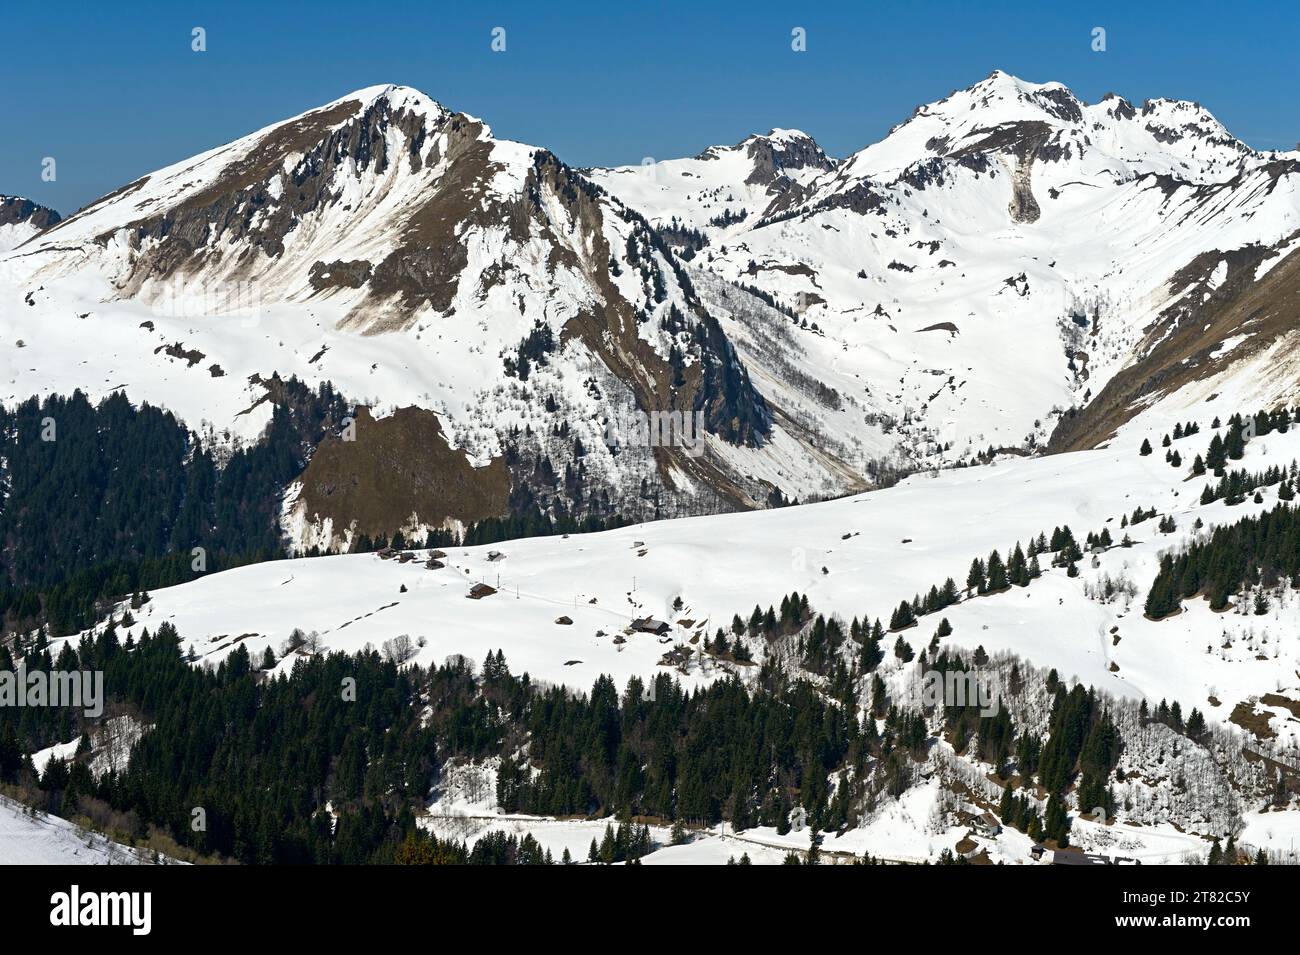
(110, 499)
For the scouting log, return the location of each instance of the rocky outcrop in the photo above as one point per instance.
(15, 210)
(392, 473)
(772, 157)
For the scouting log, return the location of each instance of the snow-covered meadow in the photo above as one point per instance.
(856, 556)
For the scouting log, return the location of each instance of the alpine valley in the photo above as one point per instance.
(733, 453)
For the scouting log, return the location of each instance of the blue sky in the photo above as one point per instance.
(112, 91)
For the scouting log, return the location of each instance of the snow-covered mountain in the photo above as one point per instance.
(1008, 266)
(21, 219)
(568, 610)
(526, 319)
(1004, 254)
(724, 188)
(1010, 270)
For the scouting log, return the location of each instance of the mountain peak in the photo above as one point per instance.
(392, 95)
(782, 151)
(1020, 98)
(21, 219)
(1004, 80)
(1172, 119)
(14, 209)
(779, 135)
(1003, 111)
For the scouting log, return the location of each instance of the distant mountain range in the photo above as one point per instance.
(1010, 269)
(1055, 342)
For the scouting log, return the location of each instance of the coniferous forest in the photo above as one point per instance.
(109, 499)
(265, 757)
(331, 761)
(1259, 550)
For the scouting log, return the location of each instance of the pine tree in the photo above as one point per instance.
(1235, 443)
(1216, 456)
(608, 849)
(678, 835)
(997, 573)
(1056, 824)
(902, 617)
(1017, 568)
(903, 650)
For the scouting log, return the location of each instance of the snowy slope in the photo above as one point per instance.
(48, 840)
(999, 258)
(901, 541)
(397, 249)
(856, 556)
(15, 234)
(725, 188)
(1002, 253)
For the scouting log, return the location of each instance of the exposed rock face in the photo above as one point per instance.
(14, 210)
(21, 220)
(732, 407)
(397, 473)
(1220, 314)
(1021, 143)
(778, 160)
(774, 155)
(326, 275)
(1118, 106)
(239, 208)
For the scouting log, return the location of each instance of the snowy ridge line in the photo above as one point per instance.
(908, 284)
